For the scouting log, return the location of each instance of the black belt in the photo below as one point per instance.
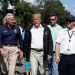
(38, 50)
(67, 55)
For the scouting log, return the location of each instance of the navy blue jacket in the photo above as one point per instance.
(10, 36)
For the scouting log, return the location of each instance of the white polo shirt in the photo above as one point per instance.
(67, 43)
(37, 37)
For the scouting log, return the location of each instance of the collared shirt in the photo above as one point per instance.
(37, 37)
(10, 36)
(67, 44)
(54, 31)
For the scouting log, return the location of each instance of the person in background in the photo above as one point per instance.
(9, 36)
(55, 28)
(4, 21)
(27, 63)
(38, 45)
(21, 30)
(2, 64)
(65, 48)
(1, 57)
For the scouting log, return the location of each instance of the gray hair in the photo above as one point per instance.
(36, 14)
(7, 15)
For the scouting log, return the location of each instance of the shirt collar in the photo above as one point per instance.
(8, 27)
(71, 30)
(38, 27)
(53, 26)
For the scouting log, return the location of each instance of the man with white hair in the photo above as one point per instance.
(9, 36)
(38, 45)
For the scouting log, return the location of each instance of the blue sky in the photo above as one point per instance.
(69, 5)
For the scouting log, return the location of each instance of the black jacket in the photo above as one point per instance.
(47, 42)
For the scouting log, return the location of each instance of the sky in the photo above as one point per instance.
(69, 5)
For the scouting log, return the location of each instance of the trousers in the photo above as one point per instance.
(67, 65)
(36, 62)
(10, 59)
(53, 66)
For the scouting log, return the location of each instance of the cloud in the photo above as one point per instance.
(73, 10)
(66, 7)
(33, 2)
(73, 5)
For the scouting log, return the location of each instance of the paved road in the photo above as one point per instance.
(21, 70)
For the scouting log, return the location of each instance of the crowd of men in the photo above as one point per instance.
(41, 45)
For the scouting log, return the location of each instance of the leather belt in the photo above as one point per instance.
(38, 50)
(9, 45)
(67, 55)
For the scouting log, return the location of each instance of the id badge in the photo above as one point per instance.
(68, 47)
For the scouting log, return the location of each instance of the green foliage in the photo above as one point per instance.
(53, 7)
(24, 13)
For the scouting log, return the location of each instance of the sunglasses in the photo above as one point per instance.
(69, 21)
(52, 19)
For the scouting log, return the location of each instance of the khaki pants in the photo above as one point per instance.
(10, 59)
(36, 62)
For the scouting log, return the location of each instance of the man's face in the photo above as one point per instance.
(36, 21)
(53, 20)
(11, 20)
(70, 23)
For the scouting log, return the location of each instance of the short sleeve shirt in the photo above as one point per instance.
(63, 38)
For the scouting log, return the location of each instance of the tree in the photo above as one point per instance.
(53, 7)
(24, 13)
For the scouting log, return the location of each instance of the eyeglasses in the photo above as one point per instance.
(52, 19)
(69, 21)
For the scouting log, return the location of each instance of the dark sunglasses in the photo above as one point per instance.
(69, 21)
(52, 19)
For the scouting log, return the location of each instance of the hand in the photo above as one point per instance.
(48, 57)
(57, 59)
(21, 54)
(3, 52)
(19, 50)
(25, 59)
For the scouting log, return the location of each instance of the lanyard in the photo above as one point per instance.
(70, 36)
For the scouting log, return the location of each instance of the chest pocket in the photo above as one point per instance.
(5, 33)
